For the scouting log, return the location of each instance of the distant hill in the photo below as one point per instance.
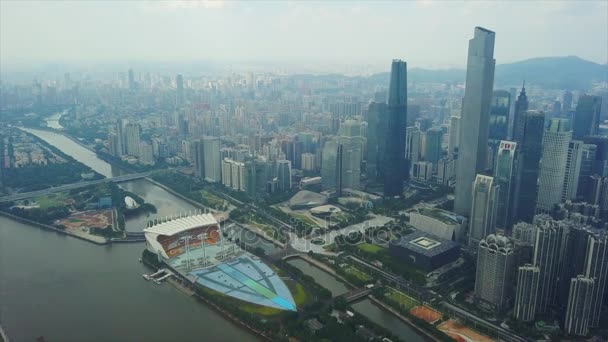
(550, 72)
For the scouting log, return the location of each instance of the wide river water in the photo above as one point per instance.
(65, 289)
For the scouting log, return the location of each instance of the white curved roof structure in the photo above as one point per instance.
(178, 225)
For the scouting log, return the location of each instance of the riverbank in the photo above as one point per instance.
(101, 241)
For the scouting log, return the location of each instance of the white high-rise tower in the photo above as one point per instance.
(473, 139)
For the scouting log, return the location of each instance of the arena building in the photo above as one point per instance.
(424, 250)
(194, 246)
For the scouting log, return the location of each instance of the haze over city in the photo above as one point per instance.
(326, 35)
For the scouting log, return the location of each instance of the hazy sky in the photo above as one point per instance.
(424, 33)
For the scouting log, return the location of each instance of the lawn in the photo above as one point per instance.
(401, 298)
(211, 198)
(370, 248)
(304, 219)
(357, 273)
(50, 201)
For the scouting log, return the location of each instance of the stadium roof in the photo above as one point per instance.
(181, 224)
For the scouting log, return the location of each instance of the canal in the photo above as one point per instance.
(365, 306)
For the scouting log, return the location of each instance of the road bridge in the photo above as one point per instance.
(67, 187)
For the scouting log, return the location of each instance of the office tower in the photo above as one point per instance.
(199, 159)
(528, 277)
(331, 170)
(588, 152)
(579, 306)
(519, 115)
(587, 116)
(482, 220)
(546, 258)
(573, 168)
(596, 268)
(179, 85)
(575, 251)
(308, 162)
(132, 84)
(412, 147)
(474, 119)
(132, 134)
(377, 115)
(552, 171)
(494, 269)
(454, 135)
(114, 145)
(395, 167)
(510, 121)
(257, 176)
(505, 176)
(531, 148)
(146, 154)
(446, 171)
(567, 101)
(284, 174)
(499, 115)
(212, 159)
(433, 151)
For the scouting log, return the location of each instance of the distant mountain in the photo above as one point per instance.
(550, 72)
(553, 72)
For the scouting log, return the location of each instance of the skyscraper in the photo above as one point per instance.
(433, 138)
(552, 171)
(505, 175)
(454, 136)
(199, 159)
(394, 160)
(494, 268)
(567, 101)
(519, 115)
(473, 142)
(377, 115)
(573, 169)
(482, 220)
(212, 159)
(546, 258)
(587, 116)
(132, 136)
(588, 152)
(412, 147)
(526, 293)
(284, 174)
(499, 115)
(579, 306)
(531, 149)
(596, 268)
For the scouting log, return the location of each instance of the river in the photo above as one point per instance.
(67, 290)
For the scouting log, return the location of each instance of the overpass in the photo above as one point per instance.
(355, 294)
(61, 188)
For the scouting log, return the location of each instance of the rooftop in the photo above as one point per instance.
(181, 224)
(444, 216)
(425, 244)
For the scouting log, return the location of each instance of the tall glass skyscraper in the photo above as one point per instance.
(531, 147)
(519, 115)
(505, 173)
(473, 142)
(587, 116)
(395, 169)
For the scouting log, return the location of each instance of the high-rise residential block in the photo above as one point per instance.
(495, 257)
(482, 220)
